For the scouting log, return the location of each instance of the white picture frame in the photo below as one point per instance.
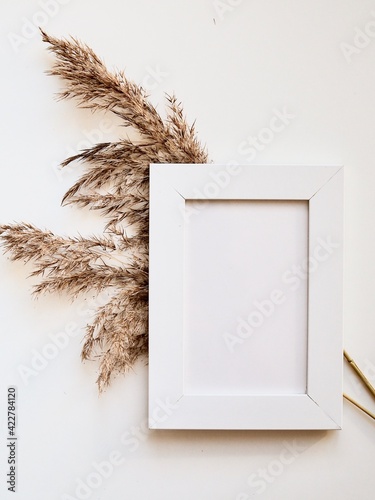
(172, 404)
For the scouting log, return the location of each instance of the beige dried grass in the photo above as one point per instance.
(115, 182)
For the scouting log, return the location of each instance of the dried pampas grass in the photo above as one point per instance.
(115, 182)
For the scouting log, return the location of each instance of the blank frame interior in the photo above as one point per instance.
(245, 297)
(245, 308)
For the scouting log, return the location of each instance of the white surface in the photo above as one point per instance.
(237, 339)
(217, 241)
(231, 75)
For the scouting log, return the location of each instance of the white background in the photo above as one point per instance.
(236, 253)
(234, 69)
